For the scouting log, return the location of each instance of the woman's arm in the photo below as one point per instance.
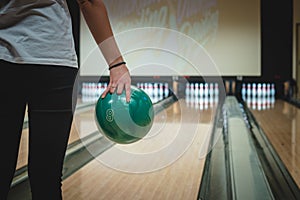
(95, 14)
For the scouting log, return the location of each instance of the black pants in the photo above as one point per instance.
(48, 92)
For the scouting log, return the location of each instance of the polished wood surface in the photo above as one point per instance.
(281, 125)
(179, 179)
(23, 150)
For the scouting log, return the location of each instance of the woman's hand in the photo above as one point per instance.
(119, 80)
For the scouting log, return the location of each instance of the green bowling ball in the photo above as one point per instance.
(124, 122)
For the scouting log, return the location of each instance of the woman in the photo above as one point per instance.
(39, 66)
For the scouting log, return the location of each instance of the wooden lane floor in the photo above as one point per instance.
(281, 124)
(23, 150)
(167, 164)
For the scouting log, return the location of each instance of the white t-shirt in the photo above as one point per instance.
(36, 32)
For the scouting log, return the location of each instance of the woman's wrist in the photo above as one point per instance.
(117, 65)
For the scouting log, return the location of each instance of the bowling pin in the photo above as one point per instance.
(211, 90)
(161, 90)
(187, 89)
(201, 90)
(166, 89)
(196, 89)
(244, 91)
(272, 90)
(259, 90)
(253, 90)
(264, 90)
(155, 92)
(155, 89)
(216, 93)
(192, 89)
(206, 90)
(248, 90)
(268, 91)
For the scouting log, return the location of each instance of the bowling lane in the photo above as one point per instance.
(23, 150)
(167, 164)
(281, 125)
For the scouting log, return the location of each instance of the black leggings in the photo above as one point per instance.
(48, 92)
